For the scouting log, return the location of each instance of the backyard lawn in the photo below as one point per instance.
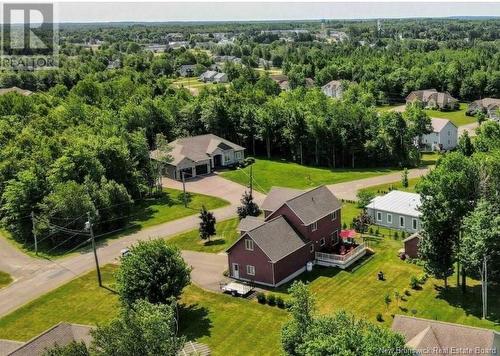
(193, 84)
(226, 235)
(458, 117)
(268, 173)
(149, 212)
(214, 319)
(5, 279)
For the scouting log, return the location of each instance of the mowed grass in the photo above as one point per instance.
(268, 173)
(385, 188)
(214, 319)
(359, 291)
(5, 279)
(458, 117)
(226, 235)
(146, 213)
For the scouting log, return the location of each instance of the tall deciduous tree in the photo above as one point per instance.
(448, 193)
(153, 271)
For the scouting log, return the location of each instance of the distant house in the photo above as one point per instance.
(396, 210)
(431, 98)
(114, 64)
(187, 70)
(20, 91)
(61, 334)
(284, 84)
(411, 245)
(157, 47)
(439, 338)
(299, 228)
(333, 89)
(213, 77)
(199, 155)
(489, 106)
(223, 59)
(444, 135)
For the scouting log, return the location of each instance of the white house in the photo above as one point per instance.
(444, 135)
(397, 210)
(333, 89)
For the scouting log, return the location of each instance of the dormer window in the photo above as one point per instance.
(249, 245)
(314, 226)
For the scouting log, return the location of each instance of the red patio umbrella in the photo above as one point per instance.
(347, 234)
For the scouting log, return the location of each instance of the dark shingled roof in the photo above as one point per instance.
(427, 334)
(276, 238)
(61, 334)
(277, 196)
(314, 204)
(250, 223)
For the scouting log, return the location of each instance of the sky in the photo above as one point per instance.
(248, 11)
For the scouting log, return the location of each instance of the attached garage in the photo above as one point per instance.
(201, 169)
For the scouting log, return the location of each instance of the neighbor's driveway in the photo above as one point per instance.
(216, 186)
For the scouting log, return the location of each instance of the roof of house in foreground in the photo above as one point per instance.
(439, 124)
(424, 334)
(276, 238)
(62, 334)
(398, 202)
(196, 148)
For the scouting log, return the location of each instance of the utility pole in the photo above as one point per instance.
(184, 189)
(88, 226)
(34, 232)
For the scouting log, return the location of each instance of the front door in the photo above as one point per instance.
(217, 160)
(236, 270)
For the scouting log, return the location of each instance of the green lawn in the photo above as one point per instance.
(388, 107)
(226, 235)
(214, 319)
(5, 279)
(149, 212)
(458, 117)
(268, 173)
(385, 188)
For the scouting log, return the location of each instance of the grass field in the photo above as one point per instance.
(384, 188)
(270, 71)
(5, 279)
(458, 117)
(214, 319)
(149, 212)
(226, 235)
(268, 173)
(193, 84)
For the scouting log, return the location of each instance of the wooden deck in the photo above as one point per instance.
(341, 261)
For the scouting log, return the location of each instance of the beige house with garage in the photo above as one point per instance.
(199, 155)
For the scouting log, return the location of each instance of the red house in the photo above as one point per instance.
(296, 224)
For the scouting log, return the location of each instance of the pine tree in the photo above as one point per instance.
(404, 178)
(248, 207)
(207, 224)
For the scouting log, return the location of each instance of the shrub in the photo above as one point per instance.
(407, 292)
(370, 231)
(261, 298)
(271, 300)
(423, 278)
(364, 198)
(344, 226)
(280, 302)
(379, 317)
(396, 235)
(225, 273)
(414, 282)
(377, 232)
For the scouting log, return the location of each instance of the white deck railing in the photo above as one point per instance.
(341, 259)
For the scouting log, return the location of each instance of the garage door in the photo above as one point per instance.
(187, 173)
(201, 169)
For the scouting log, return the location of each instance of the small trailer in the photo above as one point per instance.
(237, 289)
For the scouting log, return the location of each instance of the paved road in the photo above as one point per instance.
(348, 190)
(470, 128)
(35, 277)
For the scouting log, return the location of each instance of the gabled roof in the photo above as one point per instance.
(196, 148)
(250, 223)
(415, 235)
(332, 84)
(397, 202)
(277, 196)
(61, 334)
(314, 204)
(439, 124)
(424, 334)
(276, 238)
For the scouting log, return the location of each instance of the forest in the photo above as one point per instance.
(81, 142)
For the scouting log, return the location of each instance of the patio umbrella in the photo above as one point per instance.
(347, 234)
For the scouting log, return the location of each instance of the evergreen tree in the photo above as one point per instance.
(248, 207)
(207, 224)
(465, 146)
(404, 178)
